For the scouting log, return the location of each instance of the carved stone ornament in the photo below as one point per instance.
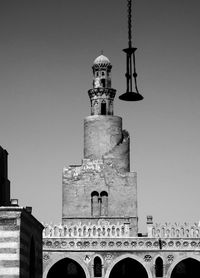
(111, 243)
(46, 257)
(108, 257)
(170, 258)
(149, 244)
(147, 258)
(102, 222)
(87, 259)
(103, 243)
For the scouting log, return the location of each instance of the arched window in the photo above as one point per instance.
(104, 203)
(32, 259)
(103, 108)
(95, 204)
(159, 267)
(97, 267)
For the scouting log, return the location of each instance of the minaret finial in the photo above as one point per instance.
(102, 94)
(131, 75)
(101, 51)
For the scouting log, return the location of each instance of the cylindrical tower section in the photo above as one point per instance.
(101, 135)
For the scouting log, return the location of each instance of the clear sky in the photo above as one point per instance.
(47, 48)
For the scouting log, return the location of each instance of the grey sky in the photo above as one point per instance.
(46, 52)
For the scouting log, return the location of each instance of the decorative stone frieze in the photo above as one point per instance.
(112, 244)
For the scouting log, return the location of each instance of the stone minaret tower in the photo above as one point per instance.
(102, 188)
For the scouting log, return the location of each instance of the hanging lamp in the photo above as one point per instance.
(131, 75)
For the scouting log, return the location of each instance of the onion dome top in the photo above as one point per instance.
(102, 61)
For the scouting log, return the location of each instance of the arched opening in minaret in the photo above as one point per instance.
(128, 268)
(95, 203)
(32, 268)
(103, 108)
(66, 268)
(159, 267)
(103, 82)
(104, 203)
(97, 267)
(186, 268)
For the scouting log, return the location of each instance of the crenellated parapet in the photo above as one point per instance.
(103, 230)
(105, 236)
(175, 230)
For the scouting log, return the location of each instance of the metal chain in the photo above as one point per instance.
(129, 22)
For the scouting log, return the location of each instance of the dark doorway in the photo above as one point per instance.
(67, 268)
(159, 267)
(97, 267)
(103, 108)
(128, 268)
(187, 268)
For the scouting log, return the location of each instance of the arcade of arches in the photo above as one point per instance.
(126, 268)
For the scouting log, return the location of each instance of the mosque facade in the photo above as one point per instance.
(98, 236)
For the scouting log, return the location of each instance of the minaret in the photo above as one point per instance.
(103, 134)
(102, 188)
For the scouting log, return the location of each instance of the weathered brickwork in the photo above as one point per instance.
(20, 243)
(79, 184)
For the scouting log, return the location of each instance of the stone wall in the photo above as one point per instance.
(20, 243)
(80, 182)
(101, 134)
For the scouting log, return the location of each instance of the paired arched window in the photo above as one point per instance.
(97, 267)
(99, 203)
(159, 267)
